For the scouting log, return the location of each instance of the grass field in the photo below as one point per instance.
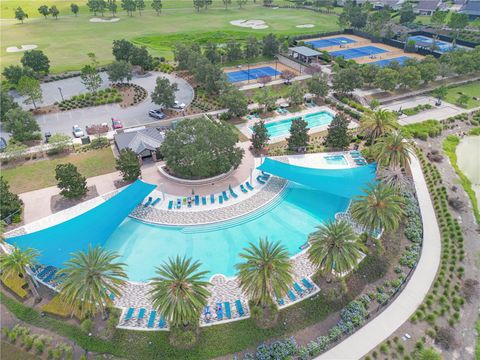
(471, 89)
(66, 41)
(41, 174)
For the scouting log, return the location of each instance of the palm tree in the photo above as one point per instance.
(16, 264)
(267, 271)
(375, 124)
(392, 150)
(88, 277)
(395, 177)
(179, 292)
(380, 208)
(335, 248)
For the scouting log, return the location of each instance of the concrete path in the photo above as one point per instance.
(399, 311)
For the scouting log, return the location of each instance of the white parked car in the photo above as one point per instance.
(179, 106)
(77, 132)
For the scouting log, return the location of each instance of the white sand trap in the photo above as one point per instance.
(253, 24)
(21, 48)
(99, 20)
(305, 26)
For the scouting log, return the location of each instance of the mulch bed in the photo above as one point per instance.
(59, 203)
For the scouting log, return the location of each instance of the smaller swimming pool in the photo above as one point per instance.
(282, 127)
(336, 160)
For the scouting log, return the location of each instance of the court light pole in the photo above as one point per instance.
(61, 94)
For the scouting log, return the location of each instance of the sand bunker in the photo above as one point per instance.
(21, 48)
(99, 20)
(305, 26)
(253, 24)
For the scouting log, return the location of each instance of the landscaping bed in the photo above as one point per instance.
(101, 97)
(132, 94)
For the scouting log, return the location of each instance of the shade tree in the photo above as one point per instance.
(387, 79)
(338, 136)
(10, 203)
(74, 9)
(13, 73)
(120, 71)
(31, 89)
(54, 11)
(71, 183)
(36, 60)
(44, 10)
(298, 139)
(128, 165)
(21, 124)
(157, 6)
(260, 135)
(235, 101)
(20, 15)
(318, 85)
(347, 80)
(296, 93)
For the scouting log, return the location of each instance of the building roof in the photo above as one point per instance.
(472, 7)
(427, 5)
(305, 51)
(139, 141)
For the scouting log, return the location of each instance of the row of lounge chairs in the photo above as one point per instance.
(129, 316)
(308, 287)
(253, 116)
(282, 111)
(151, 202)
(358, 158)
(48, 275)
(223, 311)
(262, 179)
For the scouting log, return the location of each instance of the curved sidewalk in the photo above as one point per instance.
(399, 311)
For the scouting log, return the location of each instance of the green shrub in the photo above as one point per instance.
(86, 325)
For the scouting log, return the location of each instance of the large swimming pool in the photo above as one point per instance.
(289, 219)
(282, 127)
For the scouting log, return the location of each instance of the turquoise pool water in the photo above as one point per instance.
(288, 219)
(336, 160)
(282, 127)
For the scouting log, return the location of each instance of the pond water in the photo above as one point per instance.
(468, 158)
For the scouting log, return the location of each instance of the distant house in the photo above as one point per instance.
(143, 142)
(378, 4)
(471, 8)
(427, 7)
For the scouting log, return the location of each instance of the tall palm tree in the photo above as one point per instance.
(375, 124)
(16, 264)
(393, 150)
(380, 208)
(179, 292)
(88, 277)
(395, 177)
(267, 271)
(335, 248)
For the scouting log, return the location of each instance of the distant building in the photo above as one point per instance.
(304, 53)
(378, 4)
(471, 8)
(143, 142)
(427, 7)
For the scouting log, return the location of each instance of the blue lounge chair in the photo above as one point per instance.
(197, 200)
(228, 312)
(297, 288)
(151, 319)
(225, 196)
(161, 322)
(219, 311)
(50, 276)
(179, 203)
(260, 180)
(307, 284)
(204, 200)
(239, 306)
(141, 314)
(243, 188)
(170, 205)
(249, 187)
(149, 201)
(189, 201)
(220, 199)
(155, 202)
(265, 175)
(291, 296)
(280, 301)
(129, 314)
(212, 199)
(45, 272)
(234, 195)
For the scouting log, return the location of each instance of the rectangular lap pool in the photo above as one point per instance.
(282, 127)
(251, 74)
(336, 41)
(358, 52)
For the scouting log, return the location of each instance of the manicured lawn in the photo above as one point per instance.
(41, 174)
(67, 41)
(471, 89)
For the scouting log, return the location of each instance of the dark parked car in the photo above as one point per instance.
(3, 144)
(156, 114)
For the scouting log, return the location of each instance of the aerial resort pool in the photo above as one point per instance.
(282, 127)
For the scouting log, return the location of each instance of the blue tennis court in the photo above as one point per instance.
(322, 43)
(386, 62)
(424, 41)
(358, 52)
(251, 74)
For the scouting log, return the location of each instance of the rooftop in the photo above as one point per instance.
(141, 140)
(305, 51)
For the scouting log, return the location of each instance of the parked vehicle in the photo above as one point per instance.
(179, 106)
(77, 132)
(116, 124)
(156, 114)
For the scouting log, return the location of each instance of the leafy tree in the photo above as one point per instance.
(410, 77)
(288, 76)
(298, 135)
(265, 98)
(30, 88)
(54, 11)
(368, 73)
(296, 93)
(93, 6)
(36, 60)
(318, 85)
(140, 5)
(428, 70)
(198, 4)
(164, 93)
(129, 6)
(392, 150)
(264, 80)
(74, 8)
(21, 124)
(17, 263)
(252, 47)
(226, 3)
(211, 53)
(214, 79)
(377, 123)
(10, 203)
(270, 45)
(235, 101)
(91, 78)
(157, 6)
(338, 136)
(122, 49)
(44, 10)
(90, 277)
(179, 291)
(233, 50)
(463, 100)
(387, 79)
(381, 207)
(241, 3)
(20, 15)
(377, 21)
(407, 14)
(112, 6)
(13, 73)
(128, 165)
(266, 272)
(201, 148)
(353, 15)
(6, 102)
(102, 6)
(119, 71)
(335, 248)
(437, 20)
(208, 3)
(59, 142)
(141, 57)
(260, 135)
(440, 92)
(457, 22)
(346, 80)
(71, 183)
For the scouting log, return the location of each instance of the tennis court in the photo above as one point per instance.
(386, 62)
(424, 41)
(358, 52)
(251, 74)
(336, 41)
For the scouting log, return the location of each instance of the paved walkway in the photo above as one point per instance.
(399, 311)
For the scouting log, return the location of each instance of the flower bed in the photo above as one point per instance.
(415, 110)
(101, 97)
